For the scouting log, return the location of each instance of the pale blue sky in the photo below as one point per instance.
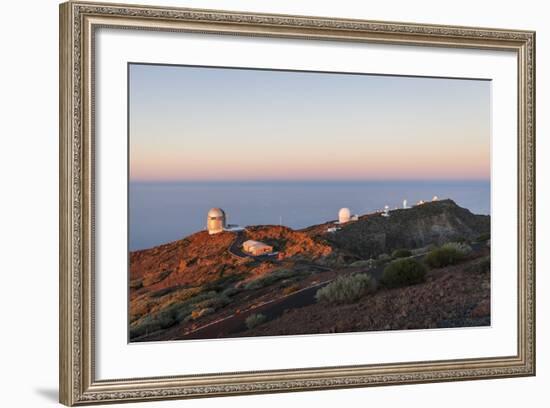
(196, 123)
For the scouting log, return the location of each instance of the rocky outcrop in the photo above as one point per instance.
(430, 223)
(194, 260)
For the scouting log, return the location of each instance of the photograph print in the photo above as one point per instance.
(276, 202)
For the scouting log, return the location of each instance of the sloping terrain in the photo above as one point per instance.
(430, 223)
(180, 287)
(455, 296)
(202, 258)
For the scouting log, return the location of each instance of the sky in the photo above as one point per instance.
(221, 124)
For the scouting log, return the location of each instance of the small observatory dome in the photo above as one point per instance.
(344, 215)
(216, 221)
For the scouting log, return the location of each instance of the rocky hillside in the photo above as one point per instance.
(430, 223)
(455, 296)
(193, 260)
(294, 244)
(202, 258)
(177, 289)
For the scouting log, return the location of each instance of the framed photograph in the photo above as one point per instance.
(256, 203)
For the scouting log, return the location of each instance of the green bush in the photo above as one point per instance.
(403, 272)
(216, 302)
(269, 279)
(482, 265)
(255, 320)
(162, 320)
(383, 258)
(231, 291)
(345, 289)
(401, 253)
(179, 311)
(448, 254)
(461, 247)
(485, 265)
(147, 325)
(368, 263)
(483, 237)
(423, 250)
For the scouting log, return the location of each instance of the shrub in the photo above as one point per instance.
(162, 320)
(403, 272)
(215, 302)
(368, 263)
(178, 311)
(147, 325)
(485, 265)
(222, 283)
(423, 250)
(185, 294)
(448, 254)
(401, 253)
(483, 237)
(441, 257)
(481, 266)
(255, 320)
(383, 258)
(345, 289)
(269, 279)
(461, 247)
(231, 291)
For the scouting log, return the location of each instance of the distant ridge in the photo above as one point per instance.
(433, 222)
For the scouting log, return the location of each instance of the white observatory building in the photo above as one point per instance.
(344, 215)
(215, 222)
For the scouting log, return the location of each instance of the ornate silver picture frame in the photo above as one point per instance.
(79, 22)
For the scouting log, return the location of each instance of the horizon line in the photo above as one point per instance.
(173, 181)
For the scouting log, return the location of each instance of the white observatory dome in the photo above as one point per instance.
(344, 215)
(216, 221)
